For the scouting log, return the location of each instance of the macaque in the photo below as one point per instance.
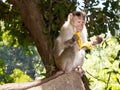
(70, 45)
(69, 56)
(72, 42)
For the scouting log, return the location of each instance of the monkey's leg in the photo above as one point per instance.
(79, 70)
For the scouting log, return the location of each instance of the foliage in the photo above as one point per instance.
(19, 76)
(102, 65)
(4, 78)
(55, 14)
(16, 76)
(28, 61)
(104, 16)
(12, 28)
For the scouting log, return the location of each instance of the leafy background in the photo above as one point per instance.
(102, 65)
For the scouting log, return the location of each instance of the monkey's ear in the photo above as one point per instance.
(84, 13)
(70, 16)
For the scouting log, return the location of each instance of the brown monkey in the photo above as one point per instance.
(69, 55)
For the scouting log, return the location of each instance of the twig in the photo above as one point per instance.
(95, 77)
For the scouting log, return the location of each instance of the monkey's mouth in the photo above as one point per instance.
(79, 28)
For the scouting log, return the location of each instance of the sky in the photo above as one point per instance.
(82, 4)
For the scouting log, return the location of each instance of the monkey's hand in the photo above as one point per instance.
(79, 41)
(97, 39)
(71, 41)
(75, 38)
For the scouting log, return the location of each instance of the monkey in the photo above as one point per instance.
(68, 54)
(72, 42)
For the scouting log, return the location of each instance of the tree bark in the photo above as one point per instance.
(33, 20)
(70, 81)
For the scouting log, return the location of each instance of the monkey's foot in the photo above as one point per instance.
(79, 70)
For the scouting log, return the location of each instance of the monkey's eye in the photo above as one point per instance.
(81, 22)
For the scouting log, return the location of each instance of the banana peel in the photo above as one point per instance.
(79, 41)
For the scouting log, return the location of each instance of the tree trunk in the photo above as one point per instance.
(71, 81)
(34, 22)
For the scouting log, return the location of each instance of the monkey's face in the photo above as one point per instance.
(78, 23)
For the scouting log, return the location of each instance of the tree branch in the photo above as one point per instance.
(71, 81)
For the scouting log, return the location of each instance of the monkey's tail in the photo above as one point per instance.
(59, 73)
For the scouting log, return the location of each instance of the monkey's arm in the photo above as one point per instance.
(67, 37)
(93, 41)
(97, 39)
(64, 40)
(72, 41)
